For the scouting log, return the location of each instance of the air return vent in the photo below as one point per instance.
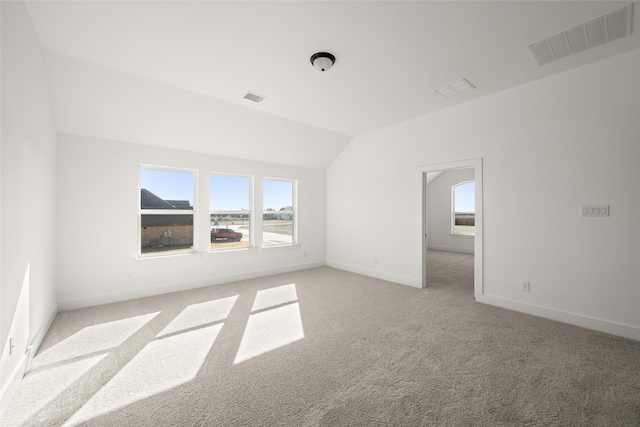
(603, 29)
(452, 89)
(254, 97)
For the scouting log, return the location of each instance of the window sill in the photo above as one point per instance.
(156, 256)
(227, 250)
(462, 235)
(283, 247)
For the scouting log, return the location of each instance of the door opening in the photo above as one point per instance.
(426, 175)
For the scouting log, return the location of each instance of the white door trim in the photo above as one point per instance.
(476, 164)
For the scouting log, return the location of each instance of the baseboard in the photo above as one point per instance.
(376, 274)
(446, 249)
(74, 304)
(13, 382)
(15, 378)
(626, 331)
(42, 332)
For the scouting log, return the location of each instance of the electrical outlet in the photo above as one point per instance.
(129, 276)
(526, 286)
(602, 210)
(305, 254)
(376, 261)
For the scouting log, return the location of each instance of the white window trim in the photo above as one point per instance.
(453, 210)
(250, 212)
(192, 212)
(293, 212)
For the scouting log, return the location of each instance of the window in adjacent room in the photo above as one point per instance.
(166, 211)
(230, 211)
(463, 219)
(278, 213)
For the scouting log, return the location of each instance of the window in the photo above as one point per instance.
(230, 211)
(278, 214)
(464, 208)
(166, 211)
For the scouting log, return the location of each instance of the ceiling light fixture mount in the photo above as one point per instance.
(323, 61)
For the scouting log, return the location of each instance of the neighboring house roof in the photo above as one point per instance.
(148, 200)
(180, 204)
(166, 221)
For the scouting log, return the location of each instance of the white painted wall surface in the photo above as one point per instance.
(547, 148)
(28, 195)
(98, 101)
(98, 225)
(439, 215)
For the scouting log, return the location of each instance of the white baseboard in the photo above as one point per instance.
(181, 286)
(447, 249)
(42, 332)
(13, 382)
(626, 331)
(15, 378)
(409, 281)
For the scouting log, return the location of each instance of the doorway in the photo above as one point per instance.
(425, 173)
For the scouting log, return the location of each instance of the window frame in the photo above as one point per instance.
(250, 212)
(453, 209)
(192, 212)
(293, 212)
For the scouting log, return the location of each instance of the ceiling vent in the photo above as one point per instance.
(603, 29)
(254, 97)
(452, 89)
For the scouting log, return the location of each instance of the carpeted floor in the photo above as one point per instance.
(324, 347)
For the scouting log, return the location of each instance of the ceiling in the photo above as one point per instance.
(390, 57)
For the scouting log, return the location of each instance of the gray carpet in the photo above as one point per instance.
(324, 347)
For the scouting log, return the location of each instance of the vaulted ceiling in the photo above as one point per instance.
(174, 73)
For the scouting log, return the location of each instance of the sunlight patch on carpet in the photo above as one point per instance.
(275, 296)
(93, 339)
(40, 388)
(161, 365)
(200, 314)
(272, 328)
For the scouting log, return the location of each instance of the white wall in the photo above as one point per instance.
(439, 213)
(547, 148)
(28, 195)
(101, 102)
(98, 226)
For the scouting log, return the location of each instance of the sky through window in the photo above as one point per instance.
(168, 184)
(277, 194)
(228, 193)
(465, 198)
